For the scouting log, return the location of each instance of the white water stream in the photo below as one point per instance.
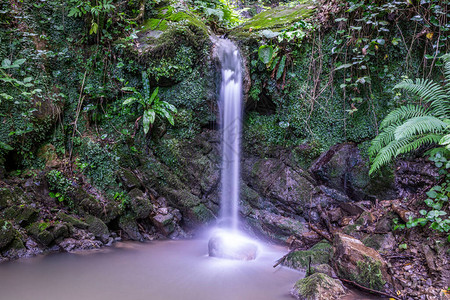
(231, 122)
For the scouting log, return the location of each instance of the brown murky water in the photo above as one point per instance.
(162, 270)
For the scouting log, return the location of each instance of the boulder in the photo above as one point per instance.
(98, 228)
(140, 204)
(128, 179)
(164, 222)
(128, 224)
(316, 255)
(74, 221)
(356, 262)
(7, 233)
(344, 169)
(318, 286)
(231, 246)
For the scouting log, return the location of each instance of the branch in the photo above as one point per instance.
(369, 290)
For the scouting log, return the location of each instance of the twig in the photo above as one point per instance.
(320, 232)
(80, 103)
(369, 290)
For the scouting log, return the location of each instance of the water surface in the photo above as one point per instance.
(160, 270)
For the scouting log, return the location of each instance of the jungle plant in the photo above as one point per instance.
(94, 10)
(151, 104)
(409, 127)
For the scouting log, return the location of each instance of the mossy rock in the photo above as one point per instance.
(320, 253)
(172, 27)
(275, 20)
(324, 269)
(128, 224)
(45, 237)
(7, 233)
(40, 231)
(98, 228)
(72, 220)
(318, 286)
(6, 197)
(140, 204)
(26, 215)
(128, 179)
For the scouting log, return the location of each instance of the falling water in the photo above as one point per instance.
(231, 120)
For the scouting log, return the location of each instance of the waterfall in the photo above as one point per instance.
(230, 104)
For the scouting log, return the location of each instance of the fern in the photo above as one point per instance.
(418, 126)
(402, 113)
(382, 139)
(387, 154)
(417, 143)
(409, 127)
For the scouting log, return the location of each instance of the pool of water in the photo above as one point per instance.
(160, 270)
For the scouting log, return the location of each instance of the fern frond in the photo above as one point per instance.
(417, 143)
(382, 139)
(419, 125)
(426, 89)
(446, 59)
(403, 113)
(387, 154)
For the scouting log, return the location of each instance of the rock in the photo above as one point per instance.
(318, 254)
(318, 286)
(380, 242)
(279, 183)
(343, 168)
(6, 198)
(60, 231)
(229, 246)
(98, 228)
(128, 179)
(165, 223)
(7, 233)
(128, 224)
(26, 215)
(335, 214)
(325, 269)
(140, 204)
(359, 263)
(45, 237)
(72, 220)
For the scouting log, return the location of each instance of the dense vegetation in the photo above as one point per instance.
(113, 105)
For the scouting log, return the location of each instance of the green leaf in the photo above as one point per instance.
(281, 67)
(265, 53)
(153, 96)
(151, 115)
(19, 61)
(343, 66)
(432, 194)
(6, 63)
(130, 100)
(5, 146)
(128, 89)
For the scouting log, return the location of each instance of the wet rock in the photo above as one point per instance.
(26, 215)
(318, 286)
(277, 227)
(7, 233)
(71, 244)
(129, 180)
(324, 269)
(129, 226)
(277, 182)
(164, 222)
(45, 237)
(342, 168)
(316, 255)
(359, 263)
(140, 204)
(231, 248)
(60, 231)
(6, 198)
(380, 242)
(74, 221)
(98, 228)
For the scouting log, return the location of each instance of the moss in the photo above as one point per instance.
(72, 220)
(277, 18)
(97, 227)
(7, 233)
(201, 214)
(318, 286)
(140, 204)
(6, 197)
(368, 274)
(320, 253)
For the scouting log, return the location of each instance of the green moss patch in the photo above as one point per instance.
(320, 253)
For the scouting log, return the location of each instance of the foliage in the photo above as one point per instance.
(438, 198)
(151, 104)
(409, 127)
(59, 186)
(220, 12)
